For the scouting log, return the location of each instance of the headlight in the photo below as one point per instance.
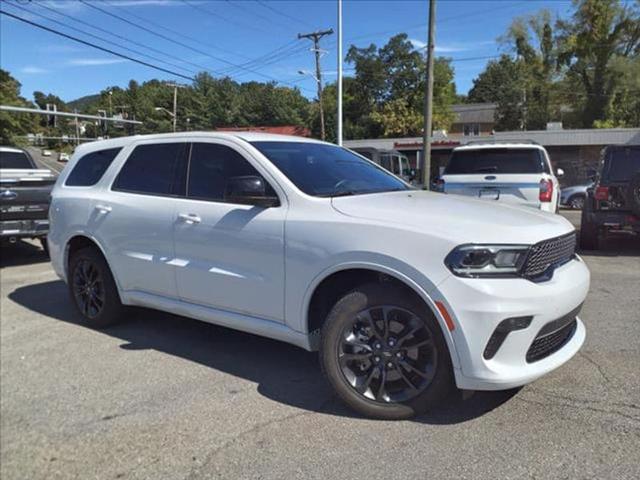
(487, 260)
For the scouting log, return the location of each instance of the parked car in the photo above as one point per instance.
(391, 160)
(613, 204)
(515, 173)
(574, 196)
(405, 293)
(24, 196)
(64, 157)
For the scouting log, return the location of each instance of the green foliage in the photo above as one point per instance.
(13, 126)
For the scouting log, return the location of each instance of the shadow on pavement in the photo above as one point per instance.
(283, 373)
(21, 253)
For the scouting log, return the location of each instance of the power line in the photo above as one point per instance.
(206, 11)
(253, 12)
(282, 14)
(109, 33)
(164, 37)
(93, 45)
(176, 33)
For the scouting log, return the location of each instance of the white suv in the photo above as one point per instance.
(517, 173)
(406, 293)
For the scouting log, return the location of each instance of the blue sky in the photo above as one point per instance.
(231, 32)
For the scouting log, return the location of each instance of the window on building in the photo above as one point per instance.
(471, 129)
(156, 169)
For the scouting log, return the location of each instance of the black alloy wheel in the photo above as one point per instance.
(93, 289)
(88, 288)
(384, 353)
(387, 354)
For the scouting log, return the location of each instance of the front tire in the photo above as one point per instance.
(576, 202)
(384, 354)
(93, 289)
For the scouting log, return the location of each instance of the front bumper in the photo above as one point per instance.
(479, 305)
(24, 228)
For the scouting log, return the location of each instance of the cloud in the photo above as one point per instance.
(33, 70)
(452, 47)
(92, 62)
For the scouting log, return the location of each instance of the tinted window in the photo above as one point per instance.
(622, 164)
(496, 160)
(156, 169)
(210, 168)
(15, 160)
(90, 168)
(327, 170)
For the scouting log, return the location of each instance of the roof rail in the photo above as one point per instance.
(494, 141)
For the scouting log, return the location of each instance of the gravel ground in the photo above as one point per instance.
(161, 397)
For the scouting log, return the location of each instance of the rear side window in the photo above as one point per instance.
(15, 160)
(211, 166)
(496, 160)
(90, 168)
(155, 169)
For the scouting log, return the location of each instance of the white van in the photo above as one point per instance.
(519, 173)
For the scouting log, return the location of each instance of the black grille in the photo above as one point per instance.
(549, 253)
(544, 346)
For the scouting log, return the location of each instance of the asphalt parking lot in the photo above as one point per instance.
(160, 396)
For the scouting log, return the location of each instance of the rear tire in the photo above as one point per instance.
(384, 354)
(45, 245)
(93, 290)
(589, 232)
(576, 202)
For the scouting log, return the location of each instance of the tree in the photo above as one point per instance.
(13, 126)
(599, 33)
(501, 82)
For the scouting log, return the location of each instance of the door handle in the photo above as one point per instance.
(103, 208)
(189, 218)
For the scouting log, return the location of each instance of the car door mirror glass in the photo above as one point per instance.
(559, 172)
(249, 190)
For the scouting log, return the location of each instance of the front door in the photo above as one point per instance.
(228, 256)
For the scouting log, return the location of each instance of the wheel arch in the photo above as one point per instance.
(344, 278)
(82, 240)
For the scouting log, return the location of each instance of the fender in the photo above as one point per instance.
(425, 295)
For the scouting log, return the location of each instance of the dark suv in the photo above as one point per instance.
(613, 204)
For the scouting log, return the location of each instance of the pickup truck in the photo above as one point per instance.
(25, 192)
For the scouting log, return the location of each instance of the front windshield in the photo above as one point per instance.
(326, 170)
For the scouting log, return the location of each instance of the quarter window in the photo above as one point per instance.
(90, 168)
(156, 169)
(211, 166)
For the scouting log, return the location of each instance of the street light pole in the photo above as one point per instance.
(428, 100)
(339, 132)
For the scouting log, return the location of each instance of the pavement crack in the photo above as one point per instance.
(209, 456)
(595, 364)
(578, 407)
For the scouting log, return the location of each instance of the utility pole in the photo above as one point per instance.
(316, 36)
(339, 132)
(428, 100)
(175, 105)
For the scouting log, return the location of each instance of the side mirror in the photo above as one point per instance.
(249, 190)
(559, 172)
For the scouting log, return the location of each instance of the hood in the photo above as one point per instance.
(457, 218)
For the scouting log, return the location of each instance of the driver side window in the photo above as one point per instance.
(210, 168)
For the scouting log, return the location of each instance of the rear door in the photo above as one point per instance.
(510, 175)
(134, 219)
